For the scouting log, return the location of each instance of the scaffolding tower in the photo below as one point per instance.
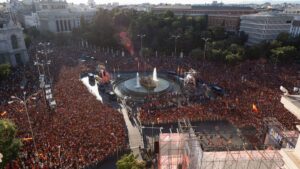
(184, 150)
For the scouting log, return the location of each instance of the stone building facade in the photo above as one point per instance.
(12, 45)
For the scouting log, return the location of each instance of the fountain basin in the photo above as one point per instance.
(127, 87)
(162, 85)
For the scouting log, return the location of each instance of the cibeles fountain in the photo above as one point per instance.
(138, 87)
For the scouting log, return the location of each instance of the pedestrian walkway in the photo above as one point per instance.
(134, 135)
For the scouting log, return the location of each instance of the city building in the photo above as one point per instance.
(91, 3)
(217, 15)
(31, 20)
(12, 45)
(292, 10)
(295, 27)
(264, 26)
(58, 17)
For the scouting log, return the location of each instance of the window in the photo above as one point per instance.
(14, 41)
(66, 28)
(69, 24)
(57, 26)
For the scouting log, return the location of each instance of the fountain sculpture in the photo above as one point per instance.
(148, 82)
(155, 75)
(138, 85)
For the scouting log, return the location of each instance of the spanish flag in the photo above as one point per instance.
(27, 139)
(254, 108)
(3, 113)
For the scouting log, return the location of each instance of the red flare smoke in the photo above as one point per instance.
(126, 42)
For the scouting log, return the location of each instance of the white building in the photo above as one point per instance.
(31, 20)
(292, 10)
(57, 17)
(295, 27)
(264, 26)
(12, 45)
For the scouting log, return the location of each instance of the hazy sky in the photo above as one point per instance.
(181, 1)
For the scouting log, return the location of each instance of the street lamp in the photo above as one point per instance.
(205, 40)
(113, 134)
(175, 43)
(24, 102)
(59, 156)
(141, 36)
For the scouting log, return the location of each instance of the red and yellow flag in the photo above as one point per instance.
(3, 113)
(27, 139)
(254, 108)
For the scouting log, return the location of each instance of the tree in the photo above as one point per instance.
(283, 37)
(218, 33)
(197, 53)
(232, 58)
(4, 70)
(27, 40)
(9, 144)
(146, 52)
(275, 44)
(285, 53)
(129, 161)
(32, 32)
(243, 37)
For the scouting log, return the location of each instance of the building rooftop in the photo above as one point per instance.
(266, 14)
(203, 7)
(177, 149)
(292, 104)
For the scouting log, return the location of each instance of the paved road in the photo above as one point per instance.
(134, 135)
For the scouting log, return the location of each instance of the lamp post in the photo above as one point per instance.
(142, 36)
(175, 43)
(113, 134)
(47, 62)
(59, 156)
(205, 40)
(24, 102)
(152, 123)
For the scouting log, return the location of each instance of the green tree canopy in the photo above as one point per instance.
(4, 70)
(283, 54)
(129, 161)
(9, 144)
(283, 37)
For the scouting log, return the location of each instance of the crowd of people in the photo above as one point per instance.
(82, 131)
(246, 84)
(253, 82)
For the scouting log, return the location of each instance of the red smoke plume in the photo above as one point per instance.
(126, 42)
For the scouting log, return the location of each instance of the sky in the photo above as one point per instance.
(122, 2)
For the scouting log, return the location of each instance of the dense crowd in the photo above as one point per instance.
(78, 133)
(252, 82)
